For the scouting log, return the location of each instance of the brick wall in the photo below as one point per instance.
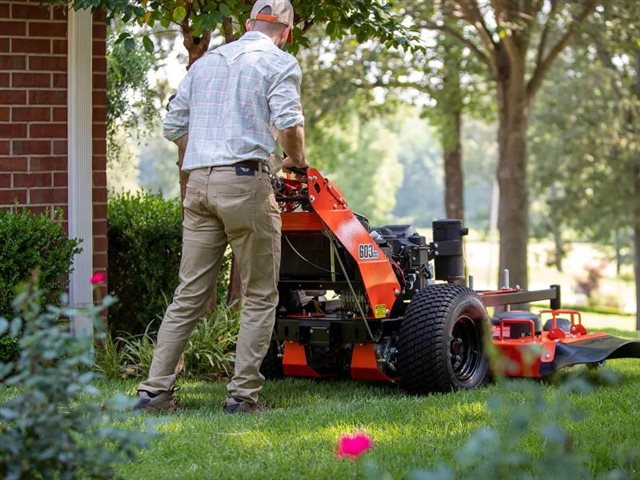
(33, 114)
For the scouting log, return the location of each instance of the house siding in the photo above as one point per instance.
(33, 115)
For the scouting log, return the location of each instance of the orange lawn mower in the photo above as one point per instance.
(383, 304)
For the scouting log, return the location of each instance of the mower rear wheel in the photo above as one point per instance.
(440, 344)
(271, 366)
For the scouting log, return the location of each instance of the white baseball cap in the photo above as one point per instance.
(281, 12)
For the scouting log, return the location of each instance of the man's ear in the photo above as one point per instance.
(288, 35)
(248, 25)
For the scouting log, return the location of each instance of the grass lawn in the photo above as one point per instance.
(297, 437)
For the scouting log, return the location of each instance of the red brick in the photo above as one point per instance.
(99, 113)
(30, 79)
(47, 97)
(13, 97)
(100, 244)
(99, 64)
(99, 97)
(99, 30)
(5, 180)
(100, 194)
(43, 164)
(13, 164)
(99, 163)
(99, 48)
(13, 62)
(99, 130)
(29, 11)
(99, 226)
(30, 180)
(58, 64)
(59, 114)
(59, 47)
(99, 179)
(59, 14)
(99, 16)
(5, 80)
(4, 45)
(60, 179)
(12, 28)
(99, 260)
(40, 210)
(59, 80)
(5, 114)
(30, 45)
(4, 10)
(47, 29)
(99, 81)
(27, 114)
(48, 195)
(13, 130)
(99, 146)
(59, 147)
(5, 147)
(9, 197)
(99, 210)
(31, 147)
(48, 130)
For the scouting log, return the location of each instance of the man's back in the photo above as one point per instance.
(232, 96)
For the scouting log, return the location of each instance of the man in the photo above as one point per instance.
(224, 112)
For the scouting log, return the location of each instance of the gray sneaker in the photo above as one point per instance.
(158, 402)
(238, 405)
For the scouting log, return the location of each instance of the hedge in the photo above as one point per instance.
(27, 242)
(145, 243)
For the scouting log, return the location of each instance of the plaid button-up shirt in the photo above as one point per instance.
(231, 98)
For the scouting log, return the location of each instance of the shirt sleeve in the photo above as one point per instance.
(284, 97)
(176, 122)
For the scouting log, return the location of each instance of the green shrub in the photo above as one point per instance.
(8, 349)
(58, 426)
(28, 241)
(145, 243)
(209, 353)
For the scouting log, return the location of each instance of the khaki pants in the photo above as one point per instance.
(222, 207)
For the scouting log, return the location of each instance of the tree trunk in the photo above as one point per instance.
(636, 246)
(636, 207)
(453, 174)
(558, 244)
(513, 206)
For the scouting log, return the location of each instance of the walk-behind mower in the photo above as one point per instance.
(363, 301)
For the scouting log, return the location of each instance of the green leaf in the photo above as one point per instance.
(122, 37)
(225, 11)
(148, 44)
(179, 14)
(165, 21)
(129, 44)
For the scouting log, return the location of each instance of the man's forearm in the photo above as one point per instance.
(182, 142)
(292, 141)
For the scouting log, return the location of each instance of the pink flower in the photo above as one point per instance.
(98, 277)
(352, 446)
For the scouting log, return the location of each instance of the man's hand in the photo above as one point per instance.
(289, 164)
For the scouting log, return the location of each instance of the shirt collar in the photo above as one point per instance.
(255, 35)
